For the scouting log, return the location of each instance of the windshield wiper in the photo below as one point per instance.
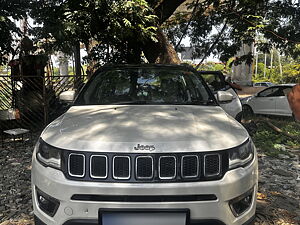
(130, 103)
(195, 102)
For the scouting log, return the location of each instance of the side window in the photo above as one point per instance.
(214, 82)
(270, 92)
(286, 90)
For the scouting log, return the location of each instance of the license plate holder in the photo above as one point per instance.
(144, 216)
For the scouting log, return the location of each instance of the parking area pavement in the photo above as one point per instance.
(278, 198)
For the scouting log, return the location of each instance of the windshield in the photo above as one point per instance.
(144, 86)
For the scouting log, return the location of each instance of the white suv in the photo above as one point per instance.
(145, 144)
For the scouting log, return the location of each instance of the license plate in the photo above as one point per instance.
(143, 217)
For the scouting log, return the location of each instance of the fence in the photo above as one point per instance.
(36, 97)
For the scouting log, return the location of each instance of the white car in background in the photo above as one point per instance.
(216, 82)
(263, 84)
(270, 101)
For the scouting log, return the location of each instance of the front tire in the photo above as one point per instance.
(247, 111)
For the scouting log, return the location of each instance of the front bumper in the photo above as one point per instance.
(235, 183)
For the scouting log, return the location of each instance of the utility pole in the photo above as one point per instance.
(256, 63)
(77, 80)
(265, 66)
(280, 65)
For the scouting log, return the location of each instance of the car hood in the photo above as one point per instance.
(116, 128)
(246, 99)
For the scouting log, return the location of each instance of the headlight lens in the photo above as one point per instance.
(48, 155)
(242, 155)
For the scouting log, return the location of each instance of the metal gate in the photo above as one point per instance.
(35, 97)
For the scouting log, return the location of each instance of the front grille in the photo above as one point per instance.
(121, 167)
(144, 198)
(98, 166)
(76, 165)
(112, 167)
(144, 167)
(190, 166)
(167, 167)
(212, 165)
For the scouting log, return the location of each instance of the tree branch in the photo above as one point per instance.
(188, 24)
(213, 45)
(166, 9)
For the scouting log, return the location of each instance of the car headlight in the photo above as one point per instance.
(48, 155)
(242, 155)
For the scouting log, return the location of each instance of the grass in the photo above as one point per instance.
(271, 142)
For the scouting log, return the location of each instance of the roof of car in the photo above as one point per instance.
(147, 65)
(282, 85)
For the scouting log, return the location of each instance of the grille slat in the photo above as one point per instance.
(121, 167)
(76, 164)
(167, 167)
(98, 166)
(212, 165)
(144, 167)
(190, 166)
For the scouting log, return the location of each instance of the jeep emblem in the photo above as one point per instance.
(144, 147)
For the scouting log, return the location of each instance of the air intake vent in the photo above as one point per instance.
(144, 167)
(190, 166)
(99, 166)
(76, 165)
(212, 165)
(167, 167)
(121, 167)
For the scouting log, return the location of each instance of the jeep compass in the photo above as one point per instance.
(144, 145)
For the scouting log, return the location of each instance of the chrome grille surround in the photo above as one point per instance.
(182, 163)
(136, 167)
(106, 169)
(159, 168)
(129, 168)
(206, 174)
(154, 167)
(69, 169)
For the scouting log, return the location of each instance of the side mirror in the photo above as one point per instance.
(67, 96)
(224, 96)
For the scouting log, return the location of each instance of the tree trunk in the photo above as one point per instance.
(78, 80)
(162, 51)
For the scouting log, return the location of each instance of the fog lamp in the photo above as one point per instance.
(242, 203)
(47, 204)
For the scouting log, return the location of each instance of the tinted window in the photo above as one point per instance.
(144, 86)
(214, 81)
(286, 90)
(271, 92)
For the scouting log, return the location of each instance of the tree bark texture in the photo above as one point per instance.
(162, 51)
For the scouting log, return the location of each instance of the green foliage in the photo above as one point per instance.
(117, 27)
(10, 10)
(290, 74)
(220, 27)
(211, 66)
(269, 141)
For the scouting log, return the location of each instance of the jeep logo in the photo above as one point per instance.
(144, 147)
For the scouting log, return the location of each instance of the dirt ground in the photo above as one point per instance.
(278, 197)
